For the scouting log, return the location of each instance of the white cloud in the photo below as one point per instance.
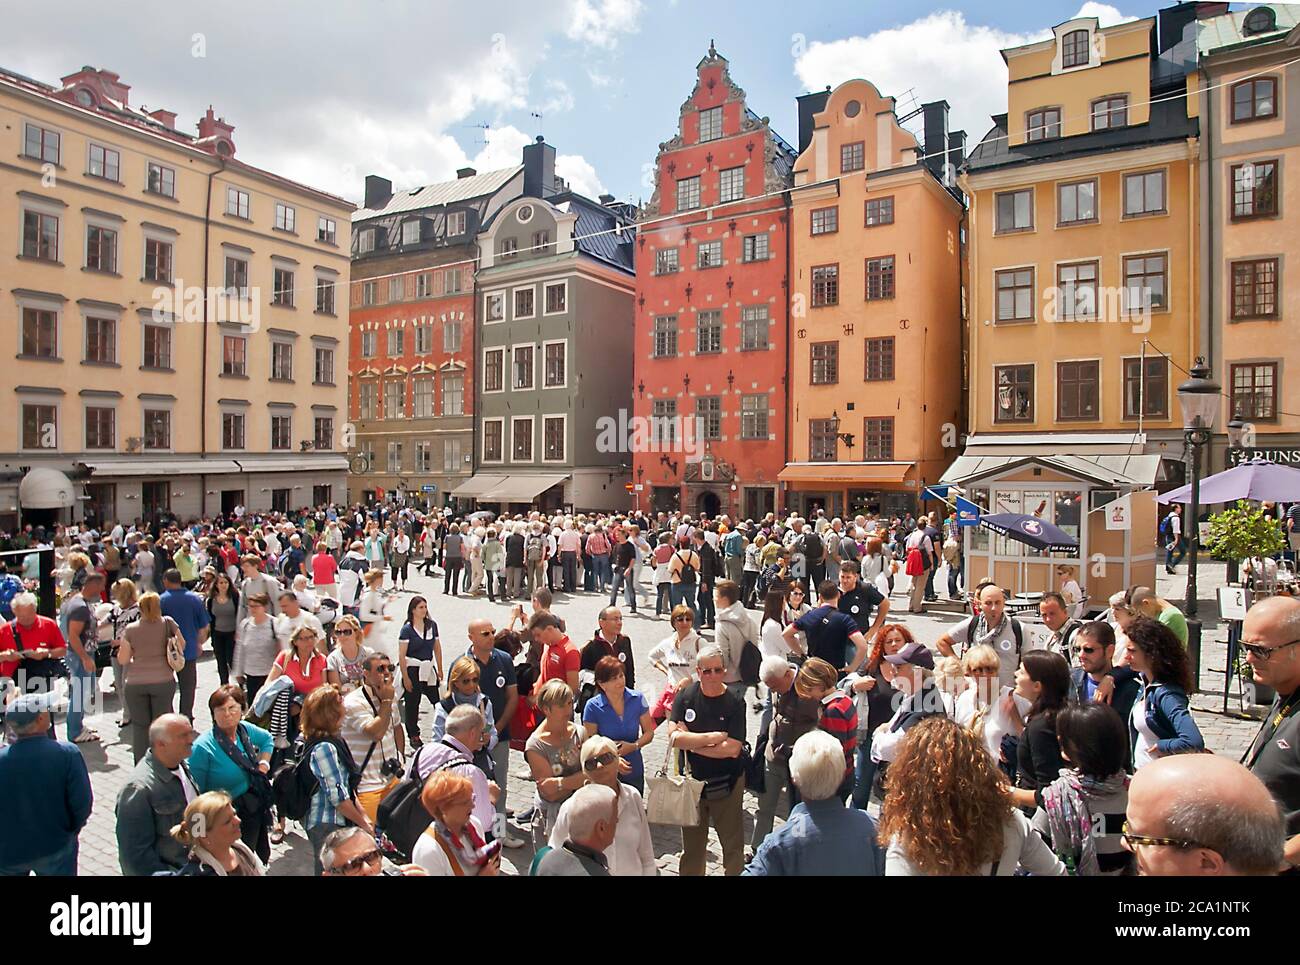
(579, 173)
(599, 22)
(938, 57)
(559, 98)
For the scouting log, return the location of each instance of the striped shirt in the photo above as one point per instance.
(332, 786)
(840, 720)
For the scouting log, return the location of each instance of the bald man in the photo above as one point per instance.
(154, 798)
(1197, 814)
(1271, 638)
(497, 681)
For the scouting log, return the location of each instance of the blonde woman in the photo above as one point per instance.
(1071, 591)
(125, 611)
(148, 679)
(345, 665)
(950, 679)
(979, 707)
(210, 828)
(553, 756)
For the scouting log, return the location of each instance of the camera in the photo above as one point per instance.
(391, 767)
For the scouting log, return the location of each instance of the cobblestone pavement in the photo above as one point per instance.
(110, 761)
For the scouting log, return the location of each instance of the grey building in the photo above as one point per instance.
(555, 290)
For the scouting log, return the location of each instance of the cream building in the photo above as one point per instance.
(178, 317)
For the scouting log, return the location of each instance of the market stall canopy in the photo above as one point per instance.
(1104, 470)
(1032, 531)
(46, 489)
(861, 472)
(476, 485)
(522, 489)
(1259, 480)
(159, 467)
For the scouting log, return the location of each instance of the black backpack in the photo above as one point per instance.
(402, 817)
(751, 658)
(687, 573)
(813, 550)
(293, 783)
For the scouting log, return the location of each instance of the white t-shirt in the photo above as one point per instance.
(996, 724)
(772, 640)
(679, 658)
(357, 710)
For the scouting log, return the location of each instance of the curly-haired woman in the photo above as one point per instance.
(1161, 722)
(947, 812)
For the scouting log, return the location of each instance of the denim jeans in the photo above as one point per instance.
(864, 773)
(954, 574)
(663, 598)
(705, 607)
(622, 580)
(680, 593)
(62, 862)
(82, 684)
(1170, 560)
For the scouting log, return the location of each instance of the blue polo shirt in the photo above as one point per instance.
(494, 677)
(187, 609)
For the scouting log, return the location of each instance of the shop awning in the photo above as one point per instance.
(303, 462)
(46, 489)
(476, 485)
(1105, 470)
(521, 489)
(846, 473)
(159, 467)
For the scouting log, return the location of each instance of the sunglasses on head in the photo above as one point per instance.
(357, 863)
(609, 757)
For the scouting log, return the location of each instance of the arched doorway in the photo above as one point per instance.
(708, 504)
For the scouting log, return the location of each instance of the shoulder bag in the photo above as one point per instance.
(673, 797)
(175, 646)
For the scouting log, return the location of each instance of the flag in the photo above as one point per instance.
(935, 492)
(968, 514)
(1119, 513)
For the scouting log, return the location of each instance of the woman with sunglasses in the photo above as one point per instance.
(345, 666)
(674, 657)
(419, 655)
(1161, 722)
(632, 853)
(463, 687)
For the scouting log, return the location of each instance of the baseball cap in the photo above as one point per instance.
(25, 708)
(914, 653)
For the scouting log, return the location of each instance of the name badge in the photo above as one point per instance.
(853, 609)
(622, 657)
(501, 681)
(690, 715)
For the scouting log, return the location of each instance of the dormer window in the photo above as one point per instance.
(367, 240)
(1259, 21)
(411, 232)
(85, 98)
(711, 124)
(1110, 112)
(1075, 48)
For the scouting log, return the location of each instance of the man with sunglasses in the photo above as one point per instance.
(1270, 636)
(351, 853)
(374, 734)
(1096, 678)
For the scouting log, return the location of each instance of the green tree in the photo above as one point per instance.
(1243, 532)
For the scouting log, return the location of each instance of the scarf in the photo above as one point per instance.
(462, 849)
(1069, 817)
(249, 864)
(982, 632)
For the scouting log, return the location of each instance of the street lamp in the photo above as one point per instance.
(1199, 399)
(1236, 431)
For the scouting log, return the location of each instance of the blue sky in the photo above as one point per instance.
(326, 92)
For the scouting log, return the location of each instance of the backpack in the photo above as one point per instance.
(750, 660)
(812, 548)
(293, 783)
(533, 549)
(1016, 630)
(915, 562)
(401, 817)
(688, 571)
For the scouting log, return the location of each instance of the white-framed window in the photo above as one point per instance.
(394, 398)
(327, 230)
(494, 366)
(555, 295)
(324, 368)
(101, 248)
(281, 431)
(41, 230)
(555, 364)
(101, 427)
(708, 254)
(411, 231)
(366, 240)
(1144, 193)
(525, 302)
(452, 335)
(493, 440)
(494, 307)
(755, 327)
(101, 339)
(453, 393)
(395, 289)
(665, 336)
(524, 366)
(753, 416)
(160, 179)
(554, 432)
(286, 217)
(368, 399)
(232, 430)
(282, 286)
(159, 258)
(40, 424)
(731, 184)
(666, 261)
(282, 361)
(40, 333)
(521, 438)
(42, 144)
(708, 332)
(754, 248)
(104, 162)
(422, 397)
(688, 193)
(509, 248)
(423, 284)
(369, 344)
(455, 223)
(452, 281)
(237, 203)
(451, 454)
(711, 124)
(423, 456)
(394, 457)
(423, 339)
(396, 343)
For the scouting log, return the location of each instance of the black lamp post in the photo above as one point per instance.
(1199, 399)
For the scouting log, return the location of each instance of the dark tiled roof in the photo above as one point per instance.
(1169, 122)
(595, 229)
(785, 157)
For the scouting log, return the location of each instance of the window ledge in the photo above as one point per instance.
(274, 379)
(231, 375)
(38, 358)
(159, 194)
(102, 271)
(157, 281)
(286, 231)
(106, 180)
(326, 314)
(41, 161)
(156, 368)
(104, 365)
(41, 261)
(328, 385)
(237, 217)
(288, 305)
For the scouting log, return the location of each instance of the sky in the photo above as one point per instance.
(326, 92)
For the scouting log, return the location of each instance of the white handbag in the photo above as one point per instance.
(673, 797)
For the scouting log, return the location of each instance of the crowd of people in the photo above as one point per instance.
(1068, 751)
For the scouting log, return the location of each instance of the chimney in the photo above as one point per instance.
(956, 155)
(606, 199)
(165, 118)
(216, 130)
(539, 169)
(810, 104)
(462, 173)
(936, 136)
(378, 191)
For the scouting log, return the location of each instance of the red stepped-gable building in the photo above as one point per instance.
(712, 326)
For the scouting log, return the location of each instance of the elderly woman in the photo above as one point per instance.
(674, 657)
(978, 708)
(454, 844)
(622, 715)
(632, 853)
(235, 757)
(334, 801)
(148, 679)
(947, 811)
(463, 684)
(302, 663)
(821, 837)
(210, 829)
(553, 757)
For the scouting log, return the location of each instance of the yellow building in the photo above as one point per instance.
(178, 316)
(1249, 144)
(876, 321)
(1082, 275)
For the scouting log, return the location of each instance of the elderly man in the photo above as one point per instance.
(993, 625)
(77, 620)
(153, 800)
(462, 739)
(593, 819)
(1198, 814)
(821, 836)
(500, 686)
(373, 733)
(778, 674)
(351, 853)
(1271, 638)
(45, 794)
(708, 722)
(31, 648)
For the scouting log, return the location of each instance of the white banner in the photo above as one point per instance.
(1119, 514)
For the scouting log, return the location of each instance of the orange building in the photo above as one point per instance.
(876, 331)
(711, 309)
